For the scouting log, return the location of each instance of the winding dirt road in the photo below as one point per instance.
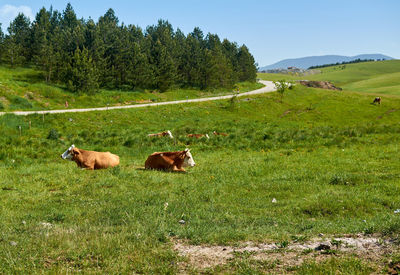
(269, 87)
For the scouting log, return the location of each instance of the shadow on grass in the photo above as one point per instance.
(159, 170)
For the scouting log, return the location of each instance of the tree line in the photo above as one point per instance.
(358, 60)
(86, 55)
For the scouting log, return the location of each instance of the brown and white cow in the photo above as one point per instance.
(220, 134)
(90, 159)
(171, 161)
(197, 135)
(162, 134)
(377, 100)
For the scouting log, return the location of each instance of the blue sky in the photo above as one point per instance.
(273, 30)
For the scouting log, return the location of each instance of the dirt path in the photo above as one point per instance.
(269, 87)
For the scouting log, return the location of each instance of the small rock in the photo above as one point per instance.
(321, 234)
(13, 243)
(322, 246)
(394, 268)
(24, 222)
(70, 119)
(397, 211)
(182, 222)
(165, 206)
(273, 200)
(46, 225)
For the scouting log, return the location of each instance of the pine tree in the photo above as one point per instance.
(165, 70)
(230, 50)
(12, 52)
(179, 56)
(84, 76)
(18, 42)
(247, 69)
(1, 43)
(218, 71)
(162, 60)
(42, 46)
(106, 48)
(193, 59)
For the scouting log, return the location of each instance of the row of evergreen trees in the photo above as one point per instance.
(86, 55)
(358, 60)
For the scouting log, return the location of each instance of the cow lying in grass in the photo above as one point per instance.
(198, 135)
(220, 134)
(170, 161)
(90, 159)
(162, 134)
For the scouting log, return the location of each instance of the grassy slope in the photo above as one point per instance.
(370, 77)
(330, 159)
(28, 84)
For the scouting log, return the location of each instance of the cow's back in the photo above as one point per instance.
(105, 160)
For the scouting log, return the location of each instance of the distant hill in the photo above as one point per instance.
(305, 62)
(381, 77)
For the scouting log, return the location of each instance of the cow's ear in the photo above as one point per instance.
(75, 151)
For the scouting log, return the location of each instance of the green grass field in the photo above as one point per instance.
(370, 77)
(25, 89)
(330, 159)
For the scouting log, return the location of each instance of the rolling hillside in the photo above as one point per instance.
(306, 62)
(25, 89)
(370, 77)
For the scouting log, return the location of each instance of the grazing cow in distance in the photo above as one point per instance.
(377, 100)
(162, 134)
(198, 135)
(171, 161)
(90, 159)
(220, 134)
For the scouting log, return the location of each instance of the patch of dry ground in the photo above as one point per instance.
(287, 255)
(319, 84)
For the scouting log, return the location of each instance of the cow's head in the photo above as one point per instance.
(170, 134)
(188, 159)
(69, 154)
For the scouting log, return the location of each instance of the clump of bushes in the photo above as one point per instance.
(53, 134)
(348, 179)
(20, 103)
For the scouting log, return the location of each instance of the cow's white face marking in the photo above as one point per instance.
(188, 161)
(68, 154)
(170, 134)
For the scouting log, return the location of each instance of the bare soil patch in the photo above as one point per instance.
(369, 248)
(319, 84)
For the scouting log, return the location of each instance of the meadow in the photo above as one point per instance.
(368, 77)
(330, 160)
(25, 89)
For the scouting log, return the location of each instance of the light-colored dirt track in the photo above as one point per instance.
(269, 87)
